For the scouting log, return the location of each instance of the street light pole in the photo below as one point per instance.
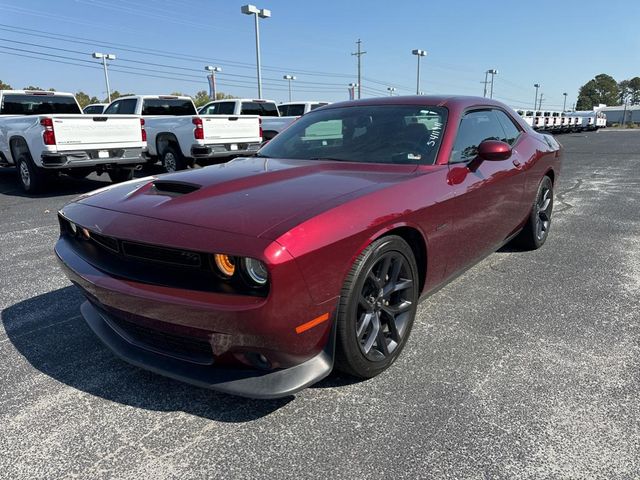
(418, 53)
(105, 57)
(352, 91)
(212, 80)
(486, 74)
(391, 90)
(564, 106)
(289, 77)
(493, 72)
(535, 102)
(262, 13)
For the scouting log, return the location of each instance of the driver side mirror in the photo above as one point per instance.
(494, 150)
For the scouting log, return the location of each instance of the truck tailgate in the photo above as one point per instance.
(100, 131)
(230, 127)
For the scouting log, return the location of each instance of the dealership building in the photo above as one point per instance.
(614, 114)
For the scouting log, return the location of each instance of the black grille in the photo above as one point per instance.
(107, 242)
(186, 348)
(160, 254)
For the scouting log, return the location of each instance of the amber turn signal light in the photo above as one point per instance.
(225, 264)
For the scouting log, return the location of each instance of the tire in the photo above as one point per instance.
(32, 178)
(536, 230)
(121, 175)
(172, 160)
(368, 341)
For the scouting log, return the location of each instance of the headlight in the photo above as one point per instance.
(256, 270)
(225, 264)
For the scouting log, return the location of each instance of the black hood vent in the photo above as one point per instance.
(169, 187)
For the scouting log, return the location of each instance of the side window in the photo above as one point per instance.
(475, 128)
(250, 108)
(210, 109)
(114, 108)
(511, 132)
(127, 107)
(226, 108)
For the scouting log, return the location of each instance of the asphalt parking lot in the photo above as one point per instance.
(527, 366)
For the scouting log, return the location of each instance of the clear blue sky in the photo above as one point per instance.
(558, 44)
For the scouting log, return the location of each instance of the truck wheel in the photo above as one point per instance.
(172, 160)
(121, 175)
(32, 178)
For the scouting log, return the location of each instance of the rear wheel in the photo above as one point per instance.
(536, 230)
(377, 308)
(172, 160)
(32, 178)
(121, 175)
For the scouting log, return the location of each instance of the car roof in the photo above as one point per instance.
(164, 97)
(28, 92)
(450, 101)
(242, 100)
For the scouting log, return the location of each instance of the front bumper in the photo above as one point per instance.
(234, 343)
(224, 150)
(92, 158)
(244, 382)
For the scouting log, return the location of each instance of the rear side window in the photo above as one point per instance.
(222, 108)
(168, 106)
(38, 105)
(317, 105)
(511, 132)
(291, 110)
(475, 128)
(122, 107)
(264, 109)
(93, 109)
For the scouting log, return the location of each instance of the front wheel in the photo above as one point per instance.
(536, 230)
(377, 308)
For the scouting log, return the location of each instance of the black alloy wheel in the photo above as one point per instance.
(377, 308)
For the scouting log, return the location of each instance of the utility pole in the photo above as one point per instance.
(540, 104)
(486, 74)
(359, 54)
(535, 102)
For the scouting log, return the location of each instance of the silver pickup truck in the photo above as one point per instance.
(45, 133)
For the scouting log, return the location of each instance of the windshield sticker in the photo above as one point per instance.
(436, 131)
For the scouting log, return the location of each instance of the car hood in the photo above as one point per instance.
(249, 196)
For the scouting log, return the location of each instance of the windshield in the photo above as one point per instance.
(403, 134)
(26, 104)
(161, 106)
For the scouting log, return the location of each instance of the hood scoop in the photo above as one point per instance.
(173, 188)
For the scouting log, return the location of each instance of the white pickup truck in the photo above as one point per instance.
(46, 133)
(178, 136)
(289, 113)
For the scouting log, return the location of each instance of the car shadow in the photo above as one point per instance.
(52, 336)
(65, 185)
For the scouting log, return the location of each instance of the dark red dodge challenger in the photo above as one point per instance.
(253, 277)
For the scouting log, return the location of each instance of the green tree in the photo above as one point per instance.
(601, 89)
(116, 94)
(223, 96)
(624, 91)
(31, 87)
(634, 90)
(84, 99)
(4, 86)
(201, 98)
